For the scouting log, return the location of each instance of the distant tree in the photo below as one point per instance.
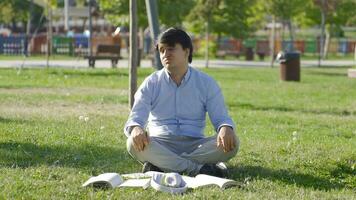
(171, 13)
(13, 11)
(286, 11)
(338, 13)
(331, 15)
(224, 17)
(220, 17)
(117, 12)
(201, 17)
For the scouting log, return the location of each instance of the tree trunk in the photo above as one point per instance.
(66, 15)
(140, 46)
(133, 51)
(151, 6)
(283, 27)
(326, 45)
(272, 40)
(291, 35)
(90, 44)
(49, 34)
(323, 14)
(28, 29)
(207, 43)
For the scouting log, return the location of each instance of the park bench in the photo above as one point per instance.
(223, 53)
(105, 52)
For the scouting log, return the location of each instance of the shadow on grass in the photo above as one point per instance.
(334, 67)
(100, 73)
(325, 73)
(243, 173)
(24, 155)
(285, 109)
(17, 121)
(105, 73)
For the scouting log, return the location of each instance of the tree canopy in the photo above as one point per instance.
(13, 10)
(237, 18)
(171, 13)
(338, 13)
(226, 17)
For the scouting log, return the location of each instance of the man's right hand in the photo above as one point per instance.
(140, 138)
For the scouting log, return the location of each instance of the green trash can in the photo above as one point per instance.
(249, 45)
(310, 46)
(249, 54)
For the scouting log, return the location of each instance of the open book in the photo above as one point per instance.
(207, 180)
(153, 179)
(113, 180)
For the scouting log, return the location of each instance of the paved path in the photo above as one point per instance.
(81, 63)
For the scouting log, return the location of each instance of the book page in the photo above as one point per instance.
(144, 183)
(104, 180)
(136, 175)
(205, 180)
(221, 182)
(190, 181)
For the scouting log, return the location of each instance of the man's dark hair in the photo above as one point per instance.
(172, 36)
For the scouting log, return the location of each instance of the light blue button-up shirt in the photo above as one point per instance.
(166, 108)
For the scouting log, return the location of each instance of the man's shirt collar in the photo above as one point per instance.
(184, 80)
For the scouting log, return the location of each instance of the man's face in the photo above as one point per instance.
(173, 56)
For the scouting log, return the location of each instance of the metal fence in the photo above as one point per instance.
(78, 45)
(340, 46)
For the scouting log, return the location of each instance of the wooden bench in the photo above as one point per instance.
(105, 52)
(223, 53)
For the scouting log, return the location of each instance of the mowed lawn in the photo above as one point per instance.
(58, 127)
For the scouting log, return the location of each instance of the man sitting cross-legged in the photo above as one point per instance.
(173, 103)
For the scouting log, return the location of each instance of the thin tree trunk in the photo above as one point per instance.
(140, 46)
(151, 6)
(90, 41)
(49, 34)
(66, 15)
(323, 13)
(355, 55)
(291, 35)
(326, 45)
(133, 51)
(283, 27)
(28, 29)
(272, 40)
(207, 43)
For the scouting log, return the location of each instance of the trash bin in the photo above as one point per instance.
(289, 66)
(249, 45)
(249, 54)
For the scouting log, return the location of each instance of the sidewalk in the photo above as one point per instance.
(81, 63)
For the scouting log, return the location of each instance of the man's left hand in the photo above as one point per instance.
(226, 139)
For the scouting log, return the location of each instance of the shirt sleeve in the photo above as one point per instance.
(141, 108)
(216, 107)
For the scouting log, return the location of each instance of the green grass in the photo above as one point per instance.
(38, 57)
(297, 139)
